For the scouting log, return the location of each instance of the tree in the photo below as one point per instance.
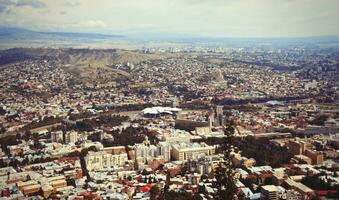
(36, 139)
(27, 135)
(225, 173)
(165, 190)
(18, 136)
(84, 169)
(155, 192)
(2, 111)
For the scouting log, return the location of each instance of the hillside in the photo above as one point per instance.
(85, 63)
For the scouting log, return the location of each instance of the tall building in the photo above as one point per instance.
(71, 137)
(211, 119)
(57, 136)
(145, 152)
(219, 110)
(219, 116)
(164, 150)
(101, 160)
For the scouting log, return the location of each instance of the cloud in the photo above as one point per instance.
(239, 18)
(30, 3)
(6, 5)
(145, 25)
(2, 8)
(90, 24)
(72, 3)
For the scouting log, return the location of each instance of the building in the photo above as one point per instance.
(296, 147)
(269, 192)
(316, 157)
(57, 136)
(145, 152)
(155, 112)
(31, 189)
(239, 161)
(101, 160)
(71, 137)
(203, 130)
(186, 151)
(299, 187)
(176, 136)
(302, 159)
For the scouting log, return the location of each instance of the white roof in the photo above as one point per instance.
(158, 110)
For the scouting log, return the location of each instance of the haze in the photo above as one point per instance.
(216, 18)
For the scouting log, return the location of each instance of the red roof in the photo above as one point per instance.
(125, 189)
(145, 188)
(129, 183)
(325, 192)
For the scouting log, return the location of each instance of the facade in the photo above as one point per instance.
(101, 160)
(71, 137)
(269, 192)
(186, 151)
(296, 147)
(57, 136)
(316, 157)
(145, 152)
(176, 136)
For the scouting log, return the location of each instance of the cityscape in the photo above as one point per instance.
(109, 110)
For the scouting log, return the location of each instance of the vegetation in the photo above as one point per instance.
(2, 111)
(129, 136)
(179, 195)
(316, 183)
(319, 121)
(82, 115)
(8, 141)
(154, 192)
(44, 122)
(225, 173)
(102, 120)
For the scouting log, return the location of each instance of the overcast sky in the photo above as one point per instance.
(220, 18)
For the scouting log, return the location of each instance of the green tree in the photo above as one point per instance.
(225, 173)
(84, 169)
(36, 139)
(155, 192)
(2, 111)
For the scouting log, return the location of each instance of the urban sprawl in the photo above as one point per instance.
(164, 127)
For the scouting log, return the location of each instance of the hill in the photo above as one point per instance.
(86, 64)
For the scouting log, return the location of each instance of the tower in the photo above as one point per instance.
(219, 115)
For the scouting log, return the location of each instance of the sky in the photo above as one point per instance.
(211, 18)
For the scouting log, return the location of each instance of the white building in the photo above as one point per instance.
(186, 151)
(102, 160)
(71, 137)
(145, 152)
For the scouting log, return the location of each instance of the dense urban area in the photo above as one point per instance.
(185, 123)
